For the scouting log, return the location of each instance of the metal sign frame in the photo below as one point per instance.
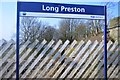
(58, 11)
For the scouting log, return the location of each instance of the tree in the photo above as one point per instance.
(95, 26)
(81, 31)
(98, 25)
(49, 33)
(67, 28)
(110, 9)
(113, 20)
(30, 28)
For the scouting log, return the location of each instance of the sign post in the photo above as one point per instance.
(105, 45)
(57, 10)
(17, 42)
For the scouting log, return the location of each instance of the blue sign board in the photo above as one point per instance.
(61, 10)
(42, 9)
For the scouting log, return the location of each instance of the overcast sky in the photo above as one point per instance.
(8, 14)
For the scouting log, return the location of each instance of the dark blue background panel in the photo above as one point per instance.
(60, 8)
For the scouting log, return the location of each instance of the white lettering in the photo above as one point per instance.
(82, 9)
(62, 8)
(75, 9)
(48, 8)
(43, 8)
(72, 9)
(78, 10)
(56, 9)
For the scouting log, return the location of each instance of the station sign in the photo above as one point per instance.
(58, 10)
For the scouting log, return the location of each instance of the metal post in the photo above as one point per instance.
(105, 45)
(17, 44)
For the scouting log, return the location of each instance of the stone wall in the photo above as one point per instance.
(115, 28)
